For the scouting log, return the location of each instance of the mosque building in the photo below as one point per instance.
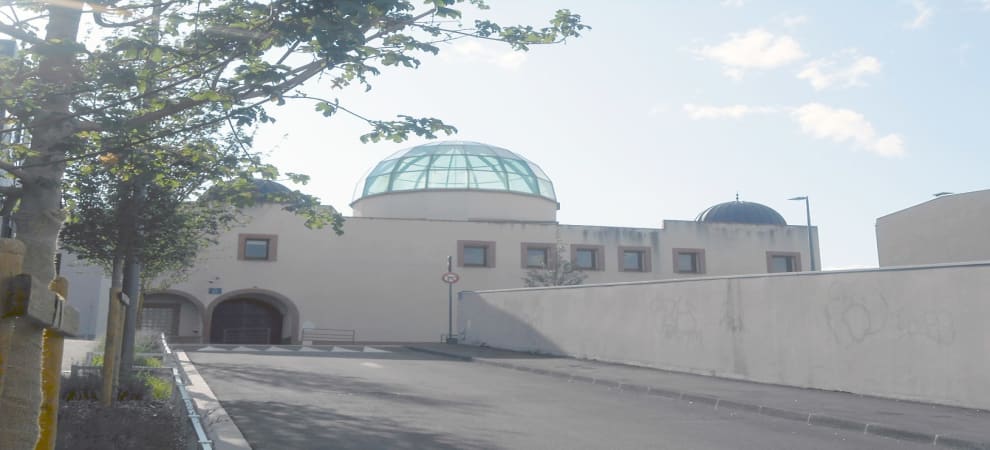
(491, 210)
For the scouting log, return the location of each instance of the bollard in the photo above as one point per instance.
(20, 347)
(51, 375)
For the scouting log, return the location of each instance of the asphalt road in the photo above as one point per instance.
(408, 400)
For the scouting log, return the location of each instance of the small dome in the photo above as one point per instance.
(741, 212)
(268, 187)
(456, 165)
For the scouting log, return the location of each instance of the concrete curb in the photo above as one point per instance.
(810, 418)
(220, 427)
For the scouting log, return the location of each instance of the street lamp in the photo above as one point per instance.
(811, 242)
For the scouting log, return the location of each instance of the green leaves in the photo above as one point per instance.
(399, 130)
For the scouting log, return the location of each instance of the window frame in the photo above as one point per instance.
(646, 265)
(795, 255)
(550, 254)
(489, 253)
(699, 259)
(599, 257)
(242, 246)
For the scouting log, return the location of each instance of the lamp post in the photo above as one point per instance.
(811, 242)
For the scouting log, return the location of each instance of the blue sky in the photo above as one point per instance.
(666, 108)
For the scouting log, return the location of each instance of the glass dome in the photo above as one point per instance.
(457, 165)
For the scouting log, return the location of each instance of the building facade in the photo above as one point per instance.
(946, 229)
(490, 210)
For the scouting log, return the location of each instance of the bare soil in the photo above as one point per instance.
(84, 425)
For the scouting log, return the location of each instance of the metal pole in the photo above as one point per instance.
(450, 303)
(811, 242)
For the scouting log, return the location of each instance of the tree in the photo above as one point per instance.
(559, 271)
(229, 57)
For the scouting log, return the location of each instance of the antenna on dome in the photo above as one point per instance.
(737, 196)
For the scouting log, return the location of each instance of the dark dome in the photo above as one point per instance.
(741, 212)
(267, 187)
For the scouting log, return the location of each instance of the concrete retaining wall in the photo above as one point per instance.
(919, 333)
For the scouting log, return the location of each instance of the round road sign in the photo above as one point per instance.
(450, 277)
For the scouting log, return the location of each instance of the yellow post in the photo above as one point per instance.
(111, 351)
(11, 259)
(51, 375)
(20, 368)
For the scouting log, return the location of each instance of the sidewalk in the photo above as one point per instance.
(941, 426)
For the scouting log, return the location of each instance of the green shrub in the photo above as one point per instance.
(148, 361)
(160, 389)
(142, 386)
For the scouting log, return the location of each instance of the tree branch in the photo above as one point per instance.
(12, 169)
(18, 33)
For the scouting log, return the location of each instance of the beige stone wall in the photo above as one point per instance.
(951, 228)
(456, 204)
(382, 277)
(917, 333)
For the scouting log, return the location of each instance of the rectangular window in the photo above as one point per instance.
(257, 247)
(634, 259)
(778, 262)
(587, 257)
(475, 254)
(538, 256)
(689, 260)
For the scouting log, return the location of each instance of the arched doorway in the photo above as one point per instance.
(246, 320)
(177, 314)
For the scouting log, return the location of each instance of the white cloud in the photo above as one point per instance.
(844, 69)
(793, 21)
(733, 3)
(699, 112)
(844, 125)
(985, 4)
(923, 14)
(754, 49)
(474, 51)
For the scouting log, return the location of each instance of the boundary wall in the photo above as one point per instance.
(915, 333)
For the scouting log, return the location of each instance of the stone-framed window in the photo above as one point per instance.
(538, 255)
(257, 247)
(635, 259)
(689, 260)
(588, 257)
(476, 254)
(779, 262)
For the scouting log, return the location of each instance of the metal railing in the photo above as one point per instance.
(314, 335)
(204, 442)
(247, 336)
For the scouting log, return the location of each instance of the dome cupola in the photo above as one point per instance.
(741, 212)
(456, 180)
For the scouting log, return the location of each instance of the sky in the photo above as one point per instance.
(665, 108)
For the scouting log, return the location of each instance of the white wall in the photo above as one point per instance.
(89, 293)
(382, 277)
(918, 333)
(951, 228)
(457, 204)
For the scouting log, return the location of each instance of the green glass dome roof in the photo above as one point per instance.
(457, 165)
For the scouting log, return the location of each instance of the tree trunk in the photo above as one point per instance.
(38, 220)
(132, 287)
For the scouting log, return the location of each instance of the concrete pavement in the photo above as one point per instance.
(410, 400)
(933, 425)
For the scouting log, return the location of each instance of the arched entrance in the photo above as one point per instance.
(246, 321)
(177, 314)
(252, 316)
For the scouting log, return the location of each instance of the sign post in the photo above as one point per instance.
(450, 278)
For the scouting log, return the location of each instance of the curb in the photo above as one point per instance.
(810, 418)
(220, 427)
